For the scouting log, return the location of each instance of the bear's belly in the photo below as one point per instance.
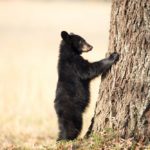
(75, 92)
(82, 95)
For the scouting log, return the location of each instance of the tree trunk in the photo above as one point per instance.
(124, 96)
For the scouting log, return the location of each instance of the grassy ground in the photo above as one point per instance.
(29, 42)
(106, 140)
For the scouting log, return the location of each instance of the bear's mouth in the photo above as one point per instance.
(87, 48)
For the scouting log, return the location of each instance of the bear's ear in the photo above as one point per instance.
(65, 36)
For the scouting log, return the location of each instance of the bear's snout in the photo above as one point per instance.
(87, 47)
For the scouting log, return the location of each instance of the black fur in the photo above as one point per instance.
(74, 76)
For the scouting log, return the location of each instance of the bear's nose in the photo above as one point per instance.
(90, 47)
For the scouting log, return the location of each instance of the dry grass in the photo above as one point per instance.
(29, 42)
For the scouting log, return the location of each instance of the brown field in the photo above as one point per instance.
(29, 43)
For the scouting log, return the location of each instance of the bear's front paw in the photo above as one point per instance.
(114, 56)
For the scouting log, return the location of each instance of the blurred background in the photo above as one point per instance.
(29, 46)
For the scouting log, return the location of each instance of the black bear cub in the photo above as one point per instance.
(74, 76)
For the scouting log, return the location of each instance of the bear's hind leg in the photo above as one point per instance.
(70, 128)
(62, 130)
(74, 126)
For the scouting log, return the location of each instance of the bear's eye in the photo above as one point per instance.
(80, 42)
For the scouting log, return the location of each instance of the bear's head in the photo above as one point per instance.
(76, 42)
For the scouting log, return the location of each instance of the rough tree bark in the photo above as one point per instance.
(124, 96)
